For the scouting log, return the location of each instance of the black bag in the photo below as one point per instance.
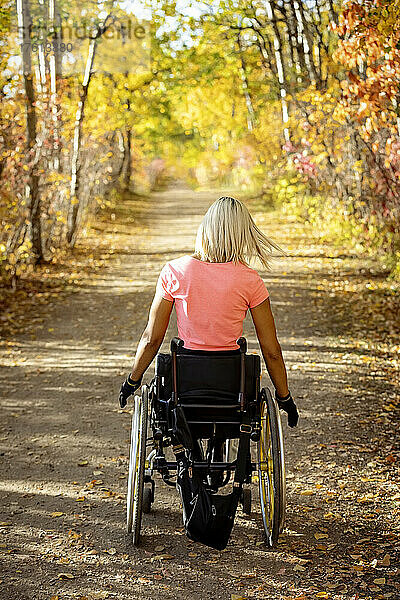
(208, 518)
(180, 428)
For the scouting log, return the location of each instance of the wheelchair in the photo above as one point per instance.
(220, 395)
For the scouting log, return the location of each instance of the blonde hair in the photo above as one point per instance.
(228, 233)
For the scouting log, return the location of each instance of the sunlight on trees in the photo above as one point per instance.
(294, 100)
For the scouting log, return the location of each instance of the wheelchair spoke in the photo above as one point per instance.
(266, 471)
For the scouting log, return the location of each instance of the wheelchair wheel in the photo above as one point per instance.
(137, 459)
(271, 469)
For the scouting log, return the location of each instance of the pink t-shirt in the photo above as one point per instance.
(211, 300)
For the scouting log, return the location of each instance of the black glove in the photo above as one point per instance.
(128, 388)
(287, 404)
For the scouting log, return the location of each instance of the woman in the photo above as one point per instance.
(212, 291)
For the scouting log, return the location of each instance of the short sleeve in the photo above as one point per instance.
(259, 292)
(167, 283)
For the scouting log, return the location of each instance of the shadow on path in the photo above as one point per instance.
(64, 442)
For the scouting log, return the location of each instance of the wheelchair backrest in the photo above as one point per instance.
(209, 376)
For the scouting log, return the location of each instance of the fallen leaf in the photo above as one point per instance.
(299, 568)
(385, 562)
(390, 458)
(159, 548)
(65, 576)
(81, 499)
(380, 581)
(320, 536)
(322, 595)
(307, 493)
(57, 514)
(161, 557)
(83, 463)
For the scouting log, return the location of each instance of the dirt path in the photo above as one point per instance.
(64, 442)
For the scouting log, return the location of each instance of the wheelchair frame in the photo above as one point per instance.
(260, 423)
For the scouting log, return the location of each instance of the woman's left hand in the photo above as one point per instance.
(288, 405)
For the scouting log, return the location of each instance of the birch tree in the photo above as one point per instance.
(280, 67)
(55, 73)
(32, 196)
(76, 180)
(245, 85)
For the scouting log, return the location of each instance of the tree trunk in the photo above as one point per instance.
(306, 40)
(280, 66)
(75, 196)
(32, 186)
(245, 85)
(291, 36)
(297, 40)
(76, 148)
(332, 12)
(127, 139)
(128, 158)
(265, 54)
(121, 148)
(55, 73)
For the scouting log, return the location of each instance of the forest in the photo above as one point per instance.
(297, 101)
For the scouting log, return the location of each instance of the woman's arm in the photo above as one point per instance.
(264, 323)
(152, 336)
